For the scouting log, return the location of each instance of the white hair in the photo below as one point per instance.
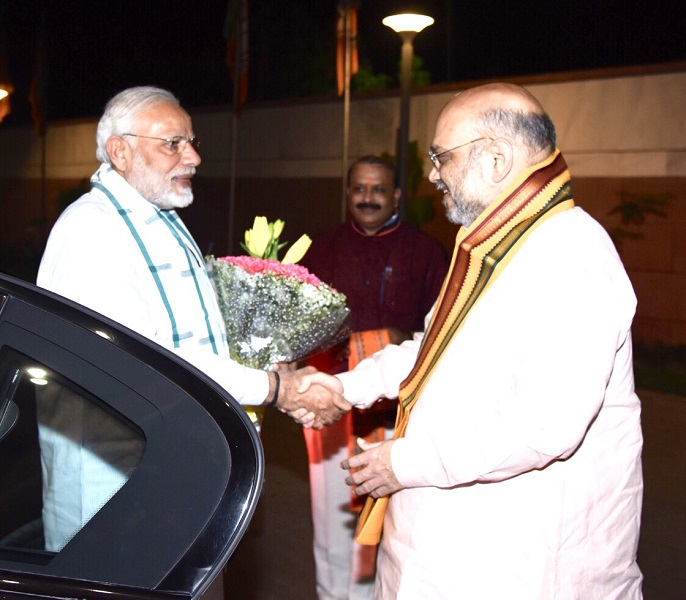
(121, 111)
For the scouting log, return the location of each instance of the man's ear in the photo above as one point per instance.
(119, 152)
(502, 153)
(396, 197)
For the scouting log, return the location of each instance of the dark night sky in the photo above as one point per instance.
(98, 47)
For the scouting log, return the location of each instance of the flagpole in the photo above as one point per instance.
(232, 173)
(238, 32)
(346, 111)
(37, 100)
(44, 184)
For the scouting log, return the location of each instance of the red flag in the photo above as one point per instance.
(236, 34)
(351, 23)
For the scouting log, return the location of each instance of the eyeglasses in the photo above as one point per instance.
(176, 144)
(436, 157)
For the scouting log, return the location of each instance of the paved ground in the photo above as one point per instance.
(662, 549)
(274, 560)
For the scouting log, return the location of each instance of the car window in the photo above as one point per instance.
(63, 455)
(188, 460)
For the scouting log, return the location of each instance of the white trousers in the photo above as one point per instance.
(344, 569)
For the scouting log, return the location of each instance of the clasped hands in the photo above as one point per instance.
(311, 398)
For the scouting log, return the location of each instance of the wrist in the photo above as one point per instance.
(274, 386)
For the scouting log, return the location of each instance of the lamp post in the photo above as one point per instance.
(406, 26)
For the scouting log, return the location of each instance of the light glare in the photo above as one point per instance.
(408, 22)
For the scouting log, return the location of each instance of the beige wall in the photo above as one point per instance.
(619, 132)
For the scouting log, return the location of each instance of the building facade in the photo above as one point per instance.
(622, 132)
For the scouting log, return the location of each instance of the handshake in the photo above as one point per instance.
(310, 397)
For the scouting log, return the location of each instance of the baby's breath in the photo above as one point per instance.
(275, 312)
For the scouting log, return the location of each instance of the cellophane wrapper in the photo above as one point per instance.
(275, 312)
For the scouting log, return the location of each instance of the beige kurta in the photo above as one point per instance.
(521, 460)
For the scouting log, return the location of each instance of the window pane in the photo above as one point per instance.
(63, 459)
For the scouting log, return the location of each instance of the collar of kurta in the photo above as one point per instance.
(389, 227)
(481, 252)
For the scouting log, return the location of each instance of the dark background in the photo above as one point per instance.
(96, 47)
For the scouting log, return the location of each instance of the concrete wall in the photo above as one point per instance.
(619, 131)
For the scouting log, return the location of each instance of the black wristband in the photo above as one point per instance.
(276, 389)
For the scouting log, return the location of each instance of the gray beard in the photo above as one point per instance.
(461, 213)
(172, 200)
(156, 189)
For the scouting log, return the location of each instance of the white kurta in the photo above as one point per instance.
(92, 258)
(521, 460)
(97, 258)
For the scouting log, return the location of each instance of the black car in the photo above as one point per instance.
(194, 461)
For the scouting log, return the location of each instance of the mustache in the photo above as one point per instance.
(441, 187)
(186, 171)
(370, 205)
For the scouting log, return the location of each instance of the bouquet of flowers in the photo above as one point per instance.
(274, 311)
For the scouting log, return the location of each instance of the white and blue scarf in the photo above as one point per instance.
(174, 261)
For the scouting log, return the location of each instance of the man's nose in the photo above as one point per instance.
(190, 156)
(433, 174)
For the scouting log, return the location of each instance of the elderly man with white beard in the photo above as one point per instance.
(123, 251)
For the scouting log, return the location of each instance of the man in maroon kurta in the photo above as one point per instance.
(391, 274)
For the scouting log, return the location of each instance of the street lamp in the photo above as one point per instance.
(406, 26)
(6, 89)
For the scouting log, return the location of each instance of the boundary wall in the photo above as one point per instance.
(621, 131)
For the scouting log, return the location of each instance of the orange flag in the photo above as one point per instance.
(346, 25)
(236, 35)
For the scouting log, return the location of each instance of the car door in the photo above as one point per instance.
(124, 471)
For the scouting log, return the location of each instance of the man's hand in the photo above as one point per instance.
(311, 397)
(373, 473)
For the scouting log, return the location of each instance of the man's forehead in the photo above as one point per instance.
(362, 171)
(461, 112)
(164, 115)
(452, 124)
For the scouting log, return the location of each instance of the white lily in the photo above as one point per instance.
(257, 239)
(262, 241)
(276, 228)
(297, 250)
